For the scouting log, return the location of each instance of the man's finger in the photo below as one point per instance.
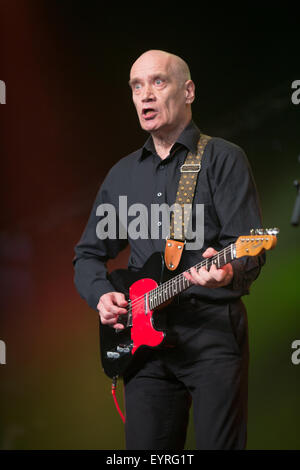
(115, 310)
(209, 252)
(217, 274)
(118, 326)
(198, 277)
(119, 299)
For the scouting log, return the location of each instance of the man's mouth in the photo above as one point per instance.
(149, 113)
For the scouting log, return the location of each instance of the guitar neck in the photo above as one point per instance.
(170, 289)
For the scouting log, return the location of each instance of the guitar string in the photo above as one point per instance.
(180, 277)
(170, 282)
(174, 280)
(208, 263)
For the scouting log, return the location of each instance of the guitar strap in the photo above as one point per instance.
(180, 217)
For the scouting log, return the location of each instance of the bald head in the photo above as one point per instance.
(176, 64)
(162, 92)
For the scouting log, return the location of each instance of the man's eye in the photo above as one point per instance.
(137, 86)
(158, 81)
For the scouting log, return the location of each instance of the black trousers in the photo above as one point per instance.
(208, 366)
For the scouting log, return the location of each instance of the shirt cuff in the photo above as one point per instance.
(243, 277)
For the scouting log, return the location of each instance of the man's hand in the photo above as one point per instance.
(214, 277)
(110, 307)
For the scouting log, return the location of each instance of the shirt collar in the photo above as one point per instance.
(189, 138)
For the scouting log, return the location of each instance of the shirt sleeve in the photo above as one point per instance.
(94, 250)
(238, 209)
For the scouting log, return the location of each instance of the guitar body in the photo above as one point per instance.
(123, 350)
(143, 331)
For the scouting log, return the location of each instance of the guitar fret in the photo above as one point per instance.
(166, 294)
(159, 295)
(152, 301)
(155, 299)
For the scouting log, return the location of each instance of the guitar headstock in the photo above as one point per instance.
(258, 240)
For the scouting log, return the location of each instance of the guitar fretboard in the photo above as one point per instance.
(179, 283)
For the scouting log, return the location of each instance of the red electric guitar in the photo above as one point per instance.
(121, 350)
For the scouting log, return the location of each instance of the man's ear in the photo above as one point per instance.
(189, 91)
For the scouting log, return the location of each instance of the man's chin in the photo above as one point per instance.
(150, 126)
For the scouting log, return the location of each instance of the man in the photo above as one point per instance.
(209, 363)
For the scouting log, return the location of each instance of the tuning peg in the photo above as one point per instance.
(272, 231)
(267, 231)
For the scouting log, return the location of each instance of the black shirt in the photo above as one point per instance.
(225, 186)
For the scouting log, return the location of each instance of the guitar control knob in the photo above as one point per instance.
(112, 355)
(123, 348)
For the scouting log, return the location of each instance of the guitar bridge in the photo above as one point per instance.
(125, 319)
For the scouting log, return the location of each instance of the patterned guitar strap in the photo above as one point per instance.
(180, 218)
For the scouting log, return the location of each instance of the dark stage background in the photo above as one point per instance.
(68, 117)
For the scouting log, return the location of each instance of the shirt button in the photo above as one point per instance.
(159, 224)
(159, 194)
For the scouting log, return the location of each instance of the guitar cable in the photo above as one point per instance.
(113, 392)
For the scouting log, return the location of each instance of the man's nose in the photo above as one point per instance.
(148, 94)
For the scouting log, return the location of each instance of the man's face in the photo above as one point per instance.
(158, 94)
